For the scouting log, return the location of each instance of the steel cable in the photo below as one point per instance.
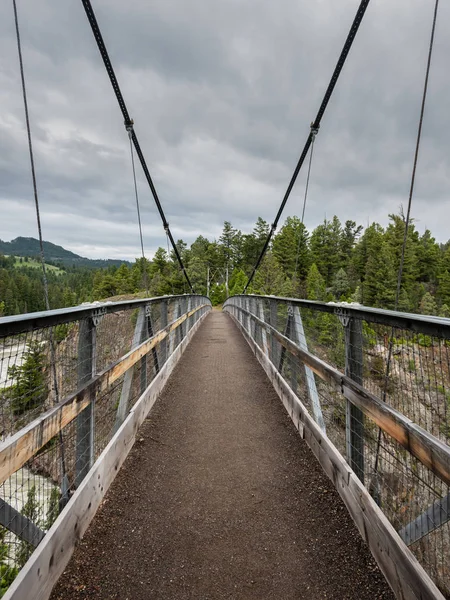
(65, 487)
(315, 125)
(129, 123)
(374, 490)
(144, 261)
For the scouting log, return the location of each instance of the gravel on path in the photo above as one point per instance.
(220, 498)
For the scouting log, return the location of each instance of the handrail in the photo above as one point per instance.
(431, 452)
(16, 450)
(17, 324)
(429, 325)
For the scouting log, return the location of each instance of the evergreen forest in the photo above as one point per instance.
(334, 262)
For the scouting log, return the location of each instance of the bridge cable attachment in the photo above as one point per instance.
(313, 134)
(129, 127)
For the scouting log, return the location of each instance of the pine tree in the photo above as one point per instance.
(238, 282)
(31, 510)
(290, 247)
(315, 284)
(53, 508)
(340, 285)
(326, 248)
(30, 384)
(7, 572)
(428, 305)
(270, 279)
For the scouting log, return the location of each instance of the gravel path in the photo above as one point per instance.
(220, 498)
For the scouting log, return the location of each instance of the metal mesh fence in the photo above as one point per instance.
(46, 361)
(400, 360)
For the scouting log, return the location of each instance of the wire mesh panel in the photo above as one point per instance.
(68, 380)
(345, 363)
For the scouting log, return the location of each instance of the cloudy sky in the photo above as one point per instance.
(222, 93)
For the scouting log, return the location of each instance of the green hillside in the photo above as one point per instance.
(29, 247)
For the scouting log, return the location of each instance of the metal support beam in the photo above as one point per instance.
(436, 515)
(273, 318)
(164, 322)
(287, 333)
(300, 338)
(20, 525)
(354, 418)
(122, 409)
(86, 419)
(260, 314)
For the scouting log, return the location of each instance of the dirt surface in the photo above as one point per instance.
(220, 498)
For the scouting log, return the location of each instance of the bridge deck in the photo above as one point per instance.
(220, 498)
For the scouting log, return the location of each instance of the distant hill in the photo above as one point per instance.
(26, 246)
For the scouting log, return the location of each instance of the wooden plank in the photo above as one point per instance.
(430, 451)
(19, 448)
(403, 572)
(36, 580)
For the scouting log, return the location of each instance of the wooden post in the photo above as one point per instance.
(300, 338)
(354, 418)
(86, 419)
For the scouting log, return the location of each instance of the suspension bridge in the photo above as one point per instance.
(278, 448)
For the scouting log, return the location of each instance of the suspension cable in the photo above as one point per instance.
(316, 124)
(416, 155)
(168, 258)
(130, 129)
(65, 483)
(405, 235)
(314, 132)
(33, 172)
(128, 122)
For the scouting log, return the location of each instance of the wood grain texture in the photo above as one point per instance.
(36, 580)
(23, 445)
(403, 572)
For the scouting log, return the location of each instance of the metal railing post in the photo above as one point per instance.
(273, 319)
(189, 319)
(264, 343)
(354, 418)
(179, 329)
(148, 333)
(164, 321)
(287, 333)
(86, 419)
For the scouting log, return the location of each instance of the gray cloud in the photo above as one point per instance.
(222, 95)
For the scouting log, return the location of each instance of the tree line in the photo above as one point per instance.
(336, 261)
